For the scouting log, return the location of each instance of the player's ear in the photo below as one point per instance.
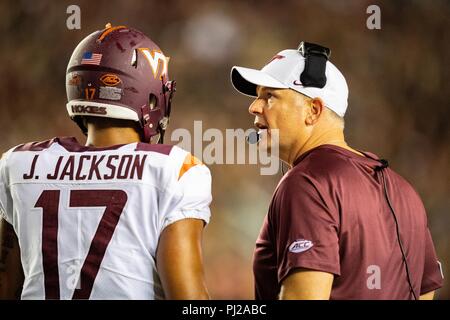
(314, 110)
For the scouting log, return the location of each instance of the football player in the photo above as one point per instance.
(120, 217)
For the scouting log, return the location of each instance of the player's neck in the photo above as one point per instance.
(104, 137)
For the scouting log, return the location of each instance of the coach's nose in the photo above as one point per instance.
(256, 107)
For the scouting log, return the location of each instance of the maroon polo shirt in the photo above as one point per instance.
(329, 213)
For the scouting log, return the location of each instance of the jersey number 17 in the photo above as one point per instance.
(113, 200)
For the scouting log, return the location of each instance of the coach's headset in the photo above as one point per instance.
(316, 57)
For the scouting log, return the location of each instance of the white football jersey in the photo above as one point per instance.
(88, 220)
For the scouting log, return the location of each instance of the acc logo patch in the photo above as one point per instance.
(110, 80)
(300, 245)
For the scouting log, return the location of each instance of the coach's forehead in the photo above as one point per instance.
(261, 90)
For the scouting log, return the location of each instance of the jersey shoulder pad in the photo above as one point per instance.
(184, 161)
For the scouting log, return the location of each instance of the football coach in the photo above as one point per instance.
(341, 224)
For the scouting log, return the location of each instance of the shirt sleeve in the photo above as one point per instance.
(432, 278)
(190, 196)
(306, 227)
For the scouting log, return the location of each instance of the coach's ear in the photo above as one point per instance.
(314, 110)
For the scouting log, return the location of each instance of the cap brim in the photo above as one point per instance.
(245, 80)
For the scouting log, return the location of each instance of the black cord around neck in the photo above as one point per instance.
(384, 164)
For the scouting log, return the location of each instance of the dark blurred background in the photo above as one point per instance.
(398, 107)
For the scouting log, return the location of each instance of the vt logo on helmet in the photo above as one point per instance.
(123, 73)
(156, 59)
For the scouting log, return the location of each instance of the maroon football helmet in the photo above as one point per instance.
(120, 73)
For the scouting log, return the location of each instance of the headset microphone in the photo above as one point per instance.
(253, 137)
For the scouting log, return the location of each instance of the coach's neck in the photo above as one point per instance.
(321, 135)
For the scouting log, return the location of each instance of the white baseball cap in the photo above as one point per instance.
(284, 71)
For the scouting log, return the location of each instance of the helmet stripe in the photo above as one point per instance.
(108, 31)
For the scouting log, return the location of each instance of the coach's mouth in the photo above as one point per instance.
(263, 129)
(261, 126)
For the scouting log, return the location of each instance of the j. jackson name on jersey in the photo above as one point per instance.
(92, 167)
